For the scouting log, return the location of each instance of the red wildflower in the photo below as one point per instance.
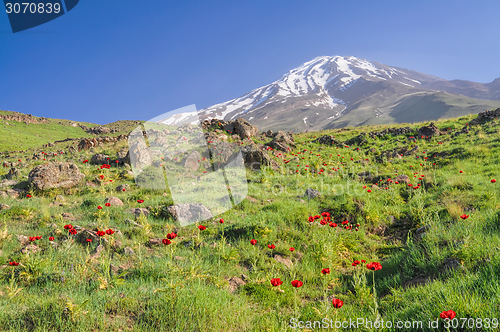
(374, 266)
(221, 221)
(292, 249)
(38, 237)
(363, 261)
(201, 227)
(311, 219)
(332, 224)
(325, 271)
(72, 231)
(353, 264)
(357, 262)
(253, 242)
(171, 236)
(51, 238)
(14, 263)
(99, 207)
(140, 201)
(493, 180)
(276, 282)
(69, 226)
(337, 303)
(271, 246)
(110, 231)
(461, 171)
(107, 204)
(450, 314)
(166, 241)
(89, 240)
(101, 233)
(28, 196)
(464, 216)
(297, 283)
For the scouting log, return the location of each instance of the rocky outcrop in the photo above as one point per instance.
(189, 212)
(55, 175)
(255, 158)
(327, 140)
(282, 142)
(429, 131)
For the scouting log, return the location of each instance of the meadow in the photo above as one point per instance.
(368, 247)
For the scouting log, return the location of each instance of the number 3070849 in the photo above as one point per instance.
(32, 8)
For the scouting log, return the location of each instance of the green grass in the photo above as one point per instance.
(184, 286)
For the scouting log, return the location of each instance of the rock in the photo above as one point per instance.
(155, 242)
(138, 211)
(189, 212)
(235, 283)
(366, 176)
(8, 183)
(192, 161)
(430, 130)
(4, 206)
(402, 179)
(114, 201)
(117, 244)
(128, 251)
(97, 252)
(55, 175)
(122, 186)
(99, 159)
(30, 248)
(23, 239)
(255, 158)
(451, 264)
(68, 216)
(126, 174)
(86, 144)
(360, 139)
(242, 128)
(283, 260)
(13, 173)
(251, 199)
(420, 232)
(327, 140)
(99, 130)
(85, 234)
(59, 198)
(282, 142)
(139, 155)
(312, 193)
(15, 193)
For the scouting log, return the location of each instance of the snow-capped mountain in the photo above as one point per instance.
(335, 91)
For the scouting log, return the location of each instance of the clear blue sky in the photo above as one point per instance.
(110, 60)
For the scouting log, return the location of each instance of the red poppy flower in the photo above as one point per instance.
(276, 282)
(166, 241)
(292, 249)
(171, 236)
(89, 240)
(101, 233)
(253, 242)
(221, 221)
(325, 271)
(201, 227)
(464, 216)
(271, 246)
(14, 263)
(353, 264)
(69, 226)
(374, 266)
(38, 237)
(493, 180)
(123, 189)
(357, 262)
(345, 222)
(107, 204)
(28, 196)
(140, 201)
(450, 314)
(99, 207)
(51, 238)
(297, 283)
(337, 303)
(110, 231)
(332, 224)
(72, 231)
(369, 190)
(363, 261)
(461, 171)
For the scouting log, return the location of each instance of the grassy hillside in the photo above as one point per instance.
(437, 241)
(16, 134)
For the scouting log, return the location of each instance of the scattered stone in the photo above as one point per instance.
(23, 239)
(30, 248)
(97, 252)
(283, 260)
(255, 158)
(122, 186)
(114, 201)
(68, 216)
(128, 251)
(59, 198)
(155, 242)
(4, 206)
(430, 130)
(402, 179)
(312, 193)
(189, 212)
(192, 161)
(235, 283)
(8, 183)
(13, 173)
(138, 211)
(99, 159)
(55, 175)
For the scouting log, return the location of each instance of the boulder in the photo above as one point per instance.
(138, 211)
(55, 175)
(430, 130)
(312, 193)
(192, 161)
(99, 159)
(402, 179)
(254, 158)
(242, 128)
(114, 201)
(189, 212)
